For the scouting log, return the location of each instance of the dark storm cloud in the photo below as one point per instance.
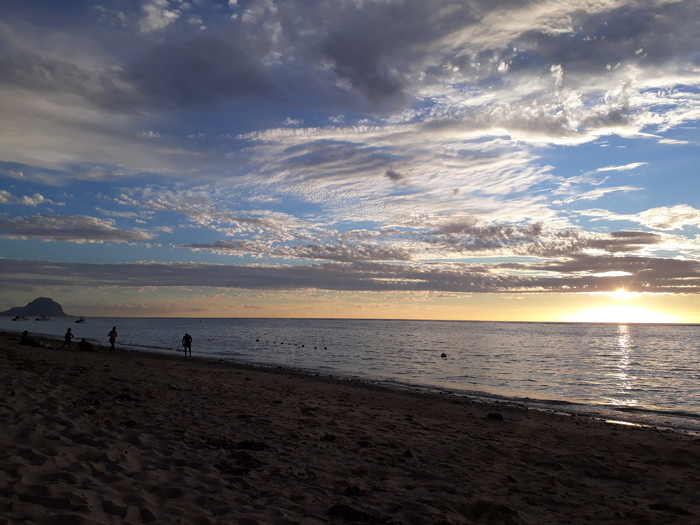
(368, 55)
(205, 71)
(25, 69)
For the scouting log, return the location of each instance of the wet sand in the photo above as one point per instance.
(92, 438)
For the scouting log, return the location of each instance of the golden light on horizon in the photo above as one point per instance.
(621, 313)
(622, 294)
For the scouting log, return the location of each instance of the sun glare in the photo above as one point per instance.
(622, 294)
(621, 313)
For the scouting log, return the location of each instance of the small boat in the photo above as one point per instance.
(80, 320)
(20, 318)
(42, 318)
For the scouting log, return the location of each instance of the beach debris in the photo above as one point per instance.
(494, 416)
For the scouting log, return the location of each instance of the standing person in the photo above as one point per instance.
(187, 343)
(66, 339)
(112, 339)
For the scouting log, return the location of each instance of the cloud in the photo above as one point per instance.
(672, 141)
(626, 167)
(67, 228)
(28, 200)
(395, 176)
(574, 72)
(670, 217)
(575, 275)
(311, 119)
(595, 194)
(662, 218)
(326, 252)
(157, 15)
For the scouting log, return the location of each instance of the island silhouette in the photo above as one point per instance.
(41, 306)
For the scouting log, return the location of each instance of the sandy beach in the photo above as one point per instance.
(94, 438)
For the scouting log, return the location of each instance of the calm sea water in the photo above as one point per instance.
(648, 374)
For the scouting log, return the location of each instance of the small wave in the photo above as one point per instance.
(659, 412)
(152, 347)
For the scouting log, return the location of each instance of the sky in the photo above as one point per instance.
(475, 159)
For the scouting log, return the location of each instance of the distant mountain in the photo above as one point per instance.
(39, 306)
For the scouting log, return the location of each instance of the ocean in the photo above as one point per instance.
(645, 374)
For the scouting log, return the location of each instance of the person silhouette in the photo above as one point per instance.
(28, 341)
(85, 346)
(187, 343)
(67, 338)
(112, 339)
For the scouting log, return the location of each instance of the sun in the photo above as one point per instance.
(621, 313)
(622, 294)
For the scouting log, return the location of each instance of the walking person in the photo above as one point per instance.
(187, 343)
(112, 339)
(67, 339)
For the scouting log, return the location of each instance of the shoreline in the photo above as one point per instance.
(676, 421)
(94, 438)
